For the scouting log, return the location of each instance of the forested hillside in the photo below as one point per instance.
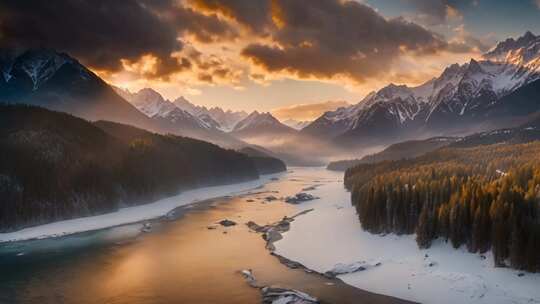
(401, 150)
(55, 166)
(483, 198)
(265, 163)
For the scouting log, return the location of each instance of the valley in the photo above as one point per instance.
(274, 152)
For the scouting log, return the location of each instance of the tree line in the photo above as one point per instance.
(483, 198)
(54, 166)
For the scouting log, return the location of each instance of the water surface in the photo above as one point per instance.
(179, 261)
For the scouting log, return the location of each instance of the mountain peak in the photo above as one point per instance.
(452, 69)
(511, 45)
(392, 91)
(226, 119)
(474, 67)
(259, 121)
(39, 65)
(527, 37)
(150, 93)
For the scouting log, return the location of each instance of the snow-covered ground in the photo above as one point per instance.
(331, 234)
(132, 214)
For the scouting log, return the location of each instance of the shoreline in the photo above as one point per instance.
(134, 214)
(332, 235)
(273, 232)
(182, 251)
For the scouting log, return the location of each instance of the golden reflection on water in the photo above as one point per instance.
(185, 262)
(182, 262)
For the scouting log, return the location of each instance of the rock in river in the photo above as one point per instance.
(250, 278)
(286, 296)
(274, 295)
(227, 223)
(270, 198)
(300, 198)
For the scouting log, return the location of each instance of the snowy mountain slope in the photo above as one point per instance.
(226, 119)
(259, 124)
(152, 104)
(179, 121)
(462, 97)
(295, 124)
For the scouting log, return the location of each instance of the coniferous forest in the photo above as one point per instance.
(484, 198)
(55, 166)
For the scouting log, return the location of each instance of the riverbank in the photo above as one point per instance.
(393, 265)
(180, 260)
(133, 214)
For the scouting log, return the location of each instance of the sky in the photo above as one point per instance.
(297, 58)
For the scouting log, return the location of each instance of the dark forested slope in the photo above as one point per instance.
(55, 166)
(265, 163)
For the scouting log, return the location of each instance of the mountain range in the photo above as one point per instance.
(410, 149)
(502, 89)
(152, 104)
(260, 124)
(179, 121)
(296, 124)
(54, 80)
(226, 119)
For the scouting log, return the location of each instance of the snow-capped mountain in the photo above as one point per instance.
(55, 80)
(478, 93)
(258, 124)
(226, 119)
(295, 124)
(152, 104)
(39, 65)
(178, 121)
(149, 102)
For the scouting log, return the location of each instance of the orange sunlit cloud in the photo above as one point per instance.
(241, 47)
(308, 111)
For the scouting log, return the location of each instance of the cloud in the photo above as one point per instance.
(303, 112)
(253, 14)
(212, 69)
(229, 42)
(537, 2)
(106, 34)
(436, 12)
(332, 39)
(464, 41)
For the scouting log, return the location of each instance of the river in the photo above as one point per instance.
(180, 260)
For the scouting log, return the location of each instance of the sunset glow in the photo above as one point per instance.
(240, 55)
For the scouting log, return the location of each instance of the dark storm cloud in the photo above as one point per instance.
(101, 32)
(326, 38)
(322, 38)
(255, 14)
(204, 28)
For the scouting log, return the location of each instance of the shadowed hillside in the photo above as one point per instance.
(55, 166)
